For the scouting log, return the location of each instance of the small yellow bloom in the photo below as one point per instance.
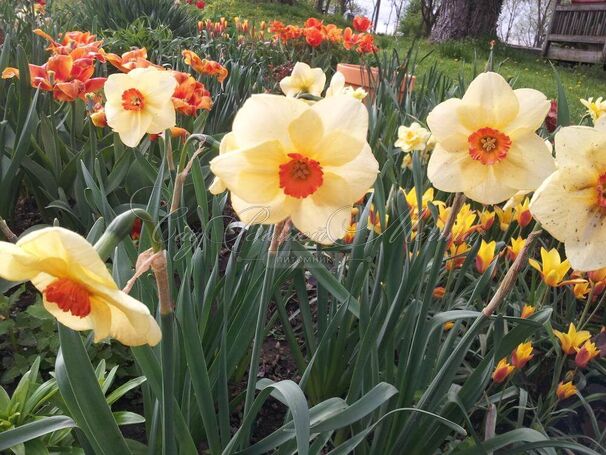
(581, 289)
(140, 102)
(337, 87)
(486, 146)
(374, 220)
(287, 159)
(596, 109)
(485, 220)
(571, 340)
(522, 213)
(505, 217)
(571, 203)
(304, 79)
(552, 268)
(456, 255)
(565, 390)
(522, 355)
(586, 354)
(411, 199)
(447, 326)
(350, 233)
(413, 137)
(516, 245)
(485, 255)
(527, 311)
(502, 371)
(76, 287)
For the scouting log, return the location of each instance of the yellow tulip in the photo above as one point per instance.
(140, 102)
(413, 137)
(522, 355)
(502, 371)
(486, 146)
(551, 268)
(527, 311)
(485, 255)
(571, 340)
(586, 354)
(287, 159)
(516, 246)
(76, 287)
(565, 390)
(571, 203)
(304, 79)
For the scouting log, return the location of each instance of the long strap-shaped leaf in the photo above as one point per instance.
(79, 387)
(34, 430)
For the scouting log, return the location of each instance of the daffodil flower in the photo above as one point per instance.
(287, 159)
(571, 203)
(487, 147)
(140, 102)
(413, 137)
(337, 87)
(304, 79)
(76, 286)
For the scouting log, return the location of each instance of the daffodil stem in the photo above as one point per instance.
(6, 232)
(168, 368)
(259, 328)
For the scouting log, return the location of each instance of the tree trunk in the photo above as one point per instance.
(319, 6)
(466, 19)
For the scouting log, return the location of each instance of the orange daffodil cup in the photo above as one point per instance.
(76, 286)
(140, 102)
(571, 203)
(285, 158)
(487, 147)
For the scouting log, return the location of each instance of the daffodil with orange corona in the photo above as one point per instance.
(76, 286)
(486, 146)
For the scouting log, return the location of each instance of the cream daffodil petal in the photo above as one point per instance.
(303, 79)
(343, 112)
(164, 119)
(158, 86)
(267, 117)
(271, 213)
(527, 165)
(489, 100)
(116, 85)
(323, 224)
(16, 265)
(448, 131)
(228, 144)
(252, 173)
(600, 124)
(576, 146)
(306, 132)
(563, 201)
(123, 330)
(337, 84)
(491, 190)
(338, 148)
(130, 127)
(454, 172)
(534, 107)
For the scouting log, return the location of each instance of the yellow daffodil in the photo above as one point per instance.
(565, 390)
(596, 109)
(140, 102)
(586, 354)
(571, 340)
(502, 371)
(413, 137)
(505, 216)
(485, 255)
(571, 203)
(522, 355)
(76, 286)
(527, 311)
(486, 146)
(287, 159)
(337, 87)
(515, 247)
(551, 268)
(304, 79)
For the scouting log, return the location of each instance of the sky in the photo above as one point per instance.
(386, 9)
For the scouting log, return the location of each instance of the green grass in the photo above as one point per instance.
(454, 59)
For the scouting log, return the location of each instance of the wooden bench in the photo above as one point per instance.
(577, 33)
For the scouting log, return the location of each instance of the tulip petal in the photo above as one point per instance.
(252, 173)
(267, 117)
(488, 101)
(444, 123)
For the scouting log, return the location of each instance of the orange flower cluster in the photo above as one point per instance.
(315, 32)
(204, 66)
(520, 356)
(68, 73)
